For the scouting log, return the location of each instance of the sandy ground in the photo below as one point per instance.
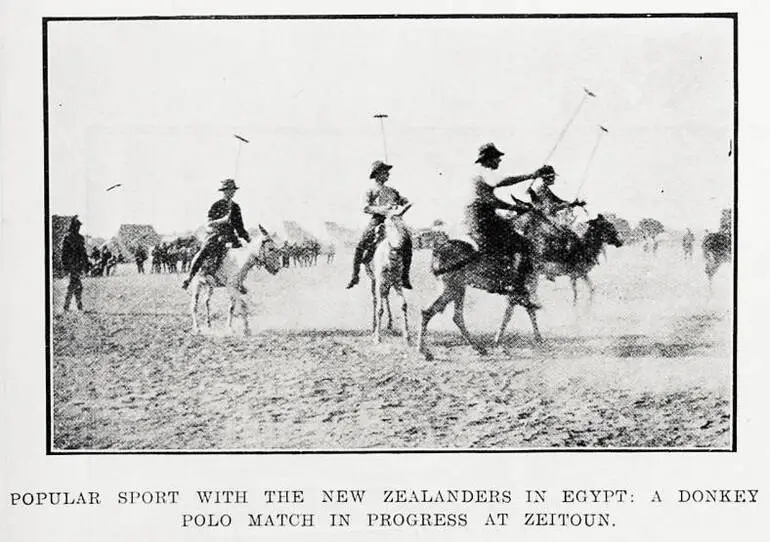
(647, 364)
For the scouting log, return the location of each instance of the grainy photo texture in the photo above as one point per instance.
(338, 234)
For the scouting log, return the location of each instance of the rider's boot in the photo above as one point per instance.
(358, 259)
(195, 265)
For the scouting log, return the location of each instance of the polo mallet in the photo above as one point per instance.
(586, 94)
(241, 141)
(602, 131)
(382, 117)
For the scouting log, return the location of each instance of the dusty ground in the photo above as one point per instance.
(647, 364)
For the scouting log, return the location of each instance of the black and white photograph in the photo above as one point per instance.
(427, 233)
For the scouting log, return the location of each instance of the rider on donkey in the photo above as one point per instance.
(225, 225)
(379, 200)
(496, 239)
(543, 198)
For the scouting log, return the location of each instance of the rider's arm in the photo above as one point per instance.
(515, 179)
(369, 204)
(237, 221)
(519, 208)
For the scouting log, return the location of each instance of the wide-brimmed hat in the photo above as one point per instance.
(228, 184)
(488, 150)
(75, 222)
(377, 167)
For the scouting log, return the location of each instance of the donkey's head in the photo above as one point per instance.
(604, 231)
(265, 252)
(394, 229)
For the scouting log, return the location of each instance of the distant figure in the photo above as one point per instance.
(688, 241)
(156, 259)
(379, 200)
(330, 252)
(285, 254)
(105, 261)
(140, 256)
(74, 259)
(96, 259)
(225, 225)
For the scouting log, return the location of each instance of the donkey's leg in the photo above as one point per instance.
(194, 306)
(590, 288)
(404, 311)
(446, 297)
(388, 311)
(573, 283)
(373, 284)
(209, 293)
(231, 311)
(459, 320)
(533, 319)
(379, 301)
(245, 316)
(506, 319)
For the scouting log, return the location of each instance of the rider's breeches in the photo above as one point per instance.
(75, 287)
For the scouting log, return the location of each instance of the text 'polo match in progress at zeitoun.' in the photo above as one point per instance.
(459, 234)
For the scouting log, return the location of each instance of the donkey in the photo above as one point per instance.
(457, 265)
(260, 252)
(561, 252)
(385, 271)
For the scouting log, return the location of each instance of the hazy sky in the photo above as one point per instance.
(154, 105)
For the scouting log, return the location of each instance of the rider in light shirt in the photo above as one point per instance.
(379, 199)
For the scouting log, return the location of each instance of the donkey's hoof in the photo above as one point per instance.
(481, 350)
(428, 356)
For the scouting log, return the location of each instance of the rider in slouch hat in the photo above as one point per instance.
(494, 235)
(225, 225)
(378, 200)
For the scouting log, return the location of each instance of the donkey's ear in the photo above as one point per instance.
(263, 231)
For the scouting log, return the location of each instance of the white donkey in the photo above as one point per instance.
(385, 271)
(260, 252)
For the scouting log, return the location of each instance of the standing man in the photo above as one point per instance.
(74, 259)
(494, 235)
(140, 256)
(225, 225)
(379, 199)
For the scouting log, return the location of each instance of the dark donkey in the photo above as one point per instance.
(559, 251)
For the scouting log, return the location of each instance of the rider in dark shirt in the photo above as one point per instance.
(225, 226)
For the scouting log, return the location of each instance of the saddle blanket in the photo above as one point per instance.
(490, 273)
